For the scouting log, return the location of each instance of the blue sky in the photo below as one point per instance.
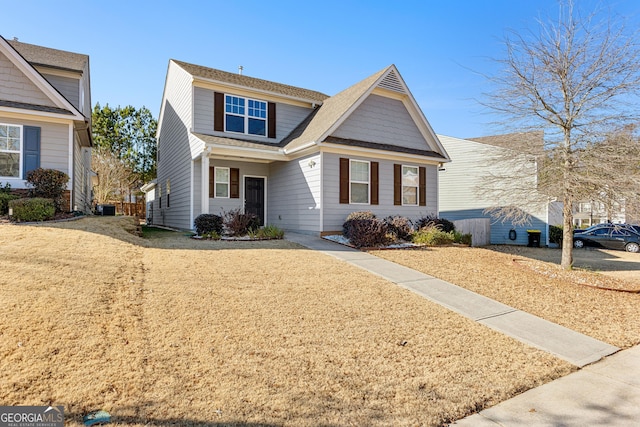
(439, 47)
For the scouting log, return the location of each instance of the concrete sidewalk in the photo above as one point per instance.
(574, 347)
(603, 394)
(606, 393)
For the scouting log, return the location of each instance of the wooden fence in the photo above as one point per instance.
(479, 228)
(131, 209)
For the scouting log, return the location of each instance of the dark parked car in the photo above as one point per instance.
(609, 236)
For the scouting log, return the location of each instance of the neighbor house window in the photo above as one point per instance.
(244, 115)
(359, 181)
(168, 193)
(222, 182)
(10, 146)
(410, 185)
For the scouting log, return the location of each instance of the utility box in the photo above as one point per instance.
(107, 210)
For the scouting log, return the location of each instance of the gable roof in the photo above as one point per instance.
(62, 105)
(335, 110)
(239, 80)
(40, 55)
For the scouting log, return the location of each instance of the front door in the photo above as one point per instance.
(254, 197)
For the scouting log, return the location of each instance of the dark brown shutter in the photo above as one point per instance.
(344, 180)
(374, 183)
(218, 111)
(234, 187)
(212, 183)
(422, 186)
(271, 113)
(397, 184)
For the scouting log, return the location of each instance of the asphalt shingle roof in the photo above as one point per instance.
(40, 55)
(251, 82)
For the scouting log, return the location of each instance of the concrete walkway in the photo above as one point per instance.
(574, 347)
(606, 393)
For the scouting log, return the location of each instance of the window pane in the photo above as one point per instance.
(360, 171)
(222, 190)
(257, 127)
(410, 176)
(257, 109)
(359, 193)
(222, 175)
(13, 132)
(409, 196)
(3, 131)
(9, 164)
(13, 144)
(235, 123)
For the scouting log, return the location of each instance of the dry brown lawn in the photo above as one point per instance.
(514, 277)
(172, 331)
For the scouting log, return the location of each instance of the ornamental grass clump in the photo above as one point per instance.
(433, 236)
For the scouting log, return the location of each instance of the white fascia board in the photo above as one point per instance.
(327, 147)
(37, 79)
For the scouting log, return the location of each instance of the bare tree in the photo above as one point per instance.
(115, 178)
(575, 78)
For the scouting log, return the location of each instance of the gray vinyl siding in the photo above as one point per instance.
(15, 86)
(382, 120)
(470, 162)
(295, 194)
(54, 145)
(288, 117)
(197, 187)
(202, 110)
(175, 152)
(67, 86)
(81, 197)
(335, 213)
(219, 205)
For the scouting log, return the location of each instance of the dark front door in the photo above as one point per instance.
(254, 197)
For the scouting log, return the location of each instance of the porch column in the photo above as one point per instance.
(204, 176)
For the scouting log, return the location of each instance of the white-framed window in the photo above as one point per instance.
(410, 182)
(168, 187)
(245, 115)
(222, 182)
(359, 181)
(10, 150)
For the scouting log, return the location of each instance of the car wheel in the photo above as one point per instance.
(632, 247)
(578, 244)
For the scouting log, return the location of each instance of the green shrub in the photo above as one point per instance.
(464, 239)
(555, 234)
(399, 226)
(207, 223)
(5, 189)
(269, 232)
(433, 221)
(211, 235)
(49, 184)
(4, 202)
(240, 224)
(433, 236)
(32, 209)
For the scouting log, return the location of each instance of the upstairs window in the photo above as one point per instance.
(10, 146)
(244, 115)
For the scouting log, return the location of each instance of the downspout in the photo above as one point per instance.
(72, 159)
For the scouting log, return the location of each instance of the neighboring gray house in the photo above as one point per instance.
(45, 117)
(299, 159)
(459, 197)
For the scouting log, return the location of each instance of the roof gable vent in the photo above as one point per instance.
(392, 82)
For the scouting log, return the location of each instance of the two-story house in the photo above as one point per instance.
(45, 117)
(299, 159)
